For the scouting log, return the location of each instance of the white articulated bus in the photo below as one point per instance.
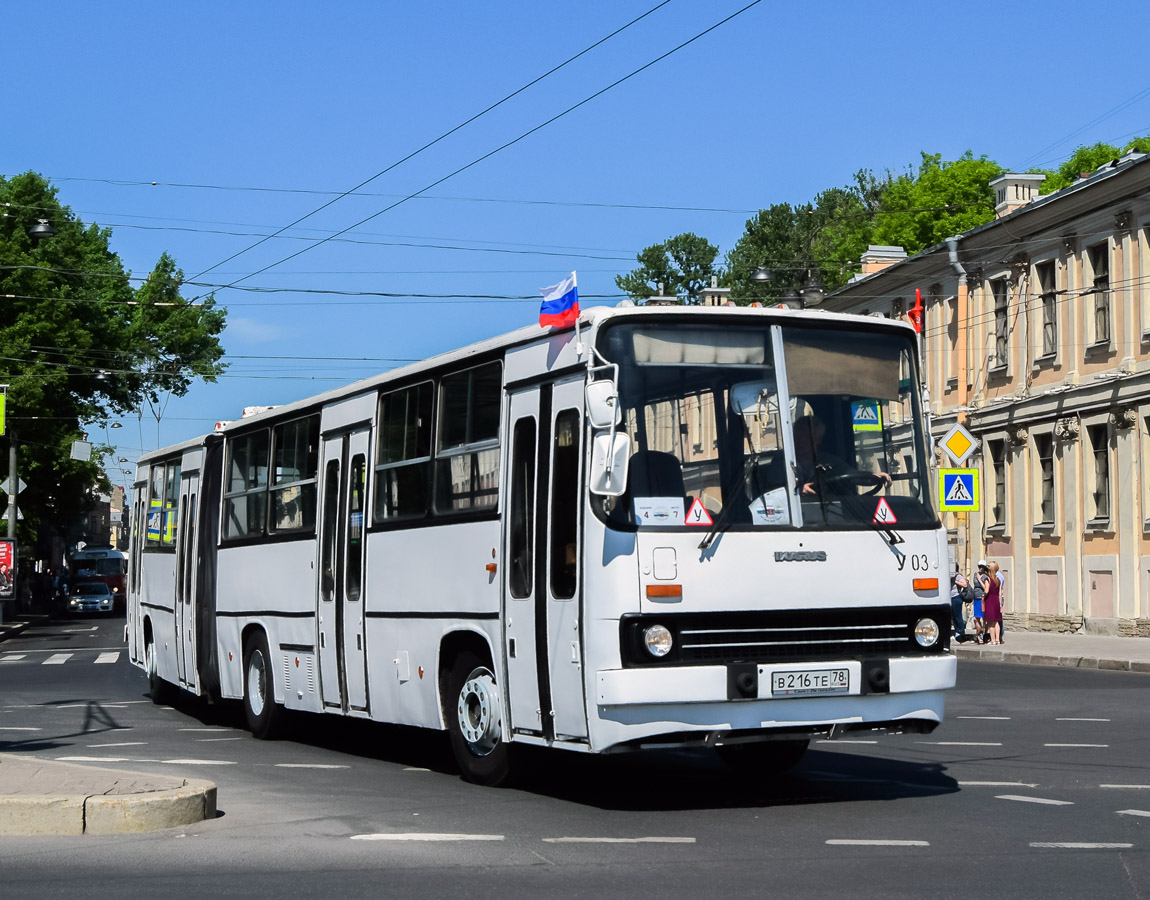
(671, 527)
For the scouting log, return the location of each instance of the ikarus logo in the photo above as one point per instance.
(800, 556)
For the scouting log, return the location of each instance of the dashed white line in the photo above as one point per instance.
(1078, 719)
(877, 843)
(198, 762)
(987, 718)
(415, 769)
(217, 740)
(997, 784)
(109, 657)
(1127, 787)
(844, 741)
(308, 766)
(1024, 799)
(618, 840)
(209, 730)
(962, 743)
(1080, 845)
(1134, 812)
(57, 659)
(1075, 745)
(426, 837)
(16, 728)
(122, 744)
(13, 657)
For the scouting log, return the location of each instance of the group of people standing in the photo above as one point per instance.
(984, 593)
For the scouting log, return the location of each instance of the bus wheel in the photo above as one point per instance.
(260, 707)
(158, 689)
(475, 721)
(763, 758)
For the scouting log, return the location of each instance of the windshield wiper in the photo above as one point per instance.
(725, 514)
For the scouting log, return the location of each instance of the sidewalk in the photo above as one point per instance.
(1080, 651)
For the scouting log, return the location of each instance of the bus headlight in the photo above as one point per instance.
(927, 632)
(657, 639)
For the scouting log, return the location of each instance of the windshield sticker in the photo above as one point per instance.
(771, 508)
(659, 512)
(883, 514)
(866, 415)
(698, 515)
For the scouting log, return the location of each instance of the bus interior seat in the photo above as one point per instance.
(654, 473)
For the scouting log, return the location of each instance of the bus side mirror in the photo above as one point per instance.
(602, 403)
(610, 454)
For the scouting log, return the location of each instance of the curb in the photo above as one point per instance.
(1046, 659)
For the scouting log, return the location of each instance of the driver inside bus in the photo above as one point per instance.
(814, 463)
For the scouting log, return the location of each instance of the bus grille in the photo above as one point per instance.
(785, 635)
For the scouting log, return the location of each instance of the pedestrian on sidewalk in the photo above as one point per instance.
(992, 602)
(980, 636)
(960, 591)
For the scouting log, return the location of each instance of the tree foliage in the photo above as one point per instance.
(1085, 160)
(683, 264)
(82, 345)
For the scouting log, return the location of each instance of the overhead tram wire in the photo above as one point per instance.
(504, 146)
(446, 134)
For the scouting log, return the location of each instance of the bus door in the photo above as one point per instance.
(343, 505)
(186, 581)
(542, 536)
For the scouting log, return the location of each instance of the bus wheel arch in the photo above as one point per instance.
(472, 707)
(159, 690)
(261, 711)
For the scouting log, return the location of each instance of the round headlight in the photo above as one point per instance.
(657, 639)
(72, 603)
(927, 632)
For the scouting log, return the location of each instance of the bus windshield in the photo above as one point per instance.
(829, 436)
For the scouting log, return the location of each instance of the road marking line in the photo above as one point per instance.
(878, 843)
(198, 762)
(13, 657)
(987, 718)
(1076, 719)
(415, 769)
(1022, 799)
(105, 759)
(844, 741)
(110, 657)
(216, 740)
(1080, 845)
(57, 659)
(616, 840)
(209, 730)
(308, 766)
(1127, 787)
(996, 784)
(426, 837)
(962, 743)
(123, 744)
(1133, 812)
(16, 728)
(1075, 745)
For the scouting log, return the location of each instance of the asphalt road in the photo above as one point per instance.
(1038, 785)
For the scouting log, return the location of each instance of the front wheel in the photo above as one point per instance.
(763, 758)
(260, 707)
(475, 721)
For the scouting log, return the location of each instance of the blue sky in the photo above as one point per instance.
(251, 115)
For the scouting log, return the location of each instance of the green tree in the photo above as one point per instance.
(81, 345)
(683, 264)
(1086, 160)
(943, 199)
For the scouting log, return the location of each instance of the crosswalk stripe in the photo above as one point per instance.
(108, 657)
(57, 659)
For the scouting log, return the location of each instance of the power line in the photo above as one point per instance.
(510, 143)
(432, 143)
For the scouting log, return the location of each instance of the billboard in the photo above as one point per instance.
(7, 568)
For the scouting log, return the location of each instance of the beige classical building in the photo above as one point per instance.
(1036, 336)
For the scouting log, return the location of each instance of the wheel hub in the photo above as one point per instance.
(479, 713)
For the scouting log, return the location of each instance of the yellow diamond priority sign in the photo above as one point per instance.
(958, 443)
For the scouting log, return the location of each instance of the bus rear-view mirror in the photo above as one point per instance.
(602, 403)
(752, 397)
(610, 454)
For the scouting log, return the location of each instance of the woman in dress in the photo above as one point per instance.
(992, 602)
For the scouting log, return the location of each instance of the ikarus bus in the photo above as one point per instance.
(667, 527)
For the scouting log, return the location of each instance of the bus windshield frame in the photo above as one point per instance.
(774, 426)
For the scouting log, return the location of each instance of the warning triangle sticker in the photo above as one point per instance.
(698, 515)
(883, 514)
(958, 492)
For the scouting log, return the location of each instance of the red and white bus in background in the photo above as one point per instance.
(104, 564)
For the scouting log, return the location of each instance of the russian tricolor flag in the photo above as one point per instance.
(560, 303)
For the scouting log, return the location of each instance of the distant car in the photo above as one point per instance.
(90, 596)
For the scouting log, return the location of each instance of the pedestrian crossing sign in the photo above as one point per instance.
(958, 489)
(866, 415)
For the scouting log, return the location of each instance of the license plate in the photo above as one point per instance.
(806, 682)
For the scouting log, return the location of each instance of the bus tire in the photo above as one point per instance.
(262, 712)
(475, 721)
(763, 758)
(159, 690)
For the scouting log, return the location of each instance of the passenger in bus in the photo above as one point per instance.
(815, 463)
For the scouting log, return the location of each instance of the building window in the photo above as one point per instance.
(1044, 457)
(1100, 269)
(1098, 496)
(998, 288)
(997, 452)
(1048, 299)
